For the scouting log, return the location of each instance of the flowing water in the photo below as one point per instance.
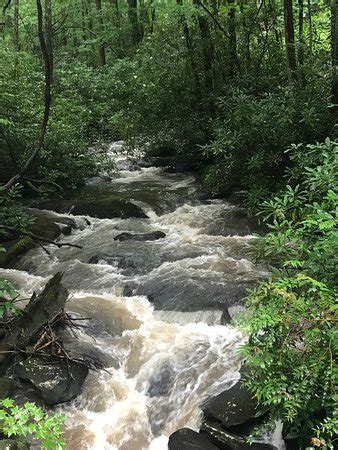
(156, 307)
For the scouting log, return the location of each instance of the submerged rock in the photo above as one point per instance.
(152, 236)
(160, 382)
(55, 382)
(187, 439)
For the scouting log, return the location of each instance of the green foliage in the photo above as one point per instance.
(11, 212)
(30, 420)
(253, 132)
(292, 328)
(8, 295)
(290, 354)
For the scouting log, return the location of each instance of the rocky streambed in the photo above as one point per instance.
(157, 270)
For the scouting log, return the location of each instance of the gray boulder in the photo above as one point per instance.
(232, 407)
(236, 438)
(55, 382)
(186, 439)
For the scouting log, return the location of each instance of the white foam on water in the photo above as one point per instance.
(170, 362)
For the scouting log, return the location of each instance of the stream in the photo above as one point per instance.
(157, 308)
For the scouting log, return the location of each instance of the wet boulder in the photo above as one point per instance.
(54, 381)
(187, 439)
(152, 236)
(231, 417)
(7, 387)
(86, 351)
(14, 249)
(232, 407)
(237, 438)
(161, 381)
(103, 208)
(108, 208)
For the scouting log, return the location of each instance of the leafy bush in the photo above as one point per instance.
(30, 420)
(253, 132)
(8, 295)
(292, 319)
(290, 354)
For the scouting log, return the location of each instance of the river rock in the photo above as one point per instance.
(236, 438)
(55, 382)
(108, 208)
(85, 350)
(14, 249)
(104, 208)
(160, 382)
(187, 439)
(7, 386)
(232, 407)
(152, 236)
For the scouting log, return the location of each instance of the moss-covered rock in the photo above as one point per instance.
(14, 249)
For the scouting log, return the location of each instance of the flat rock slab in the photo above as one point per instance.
(152, 236)
(232, 407)
(54, 383)
(186, 439)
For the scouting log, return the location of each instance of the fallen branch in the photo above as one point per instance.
(39, 239)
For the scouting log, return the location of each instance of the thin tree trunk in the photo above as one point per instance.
(133, 19)
(116, 11)
(300, 32)
(47, 100)
(102, 50)
(334, 47)
(49, 32)
(289, 30)
(190, 51)
(310, 26)
(16, 26)
(233, 56)
(208, 59)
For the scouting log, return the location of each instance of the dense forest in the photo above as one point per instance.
(241, 93)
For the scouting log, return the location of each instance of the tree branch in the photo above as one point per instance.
(37, 238)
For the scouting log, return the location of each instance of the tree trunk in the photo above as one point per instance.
(133, 19)
(190, 51)
(233, 56)
(102, 50)
(49, 32)
(334, 47)
(289, 30)
(208, 59)
(16, 26)
(300, 32)
(116, 11)
(310, 26)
